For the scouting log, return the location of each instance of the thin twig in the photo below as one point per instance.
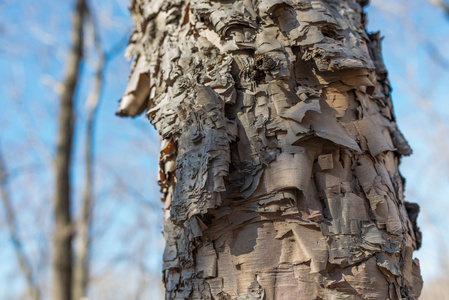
(25, 266)
(81, 267)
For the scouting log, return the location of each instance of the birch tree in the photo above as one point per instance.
(280, 150)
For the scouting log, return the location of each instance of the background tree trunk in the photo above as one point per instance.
(85, 224)
(63, 232)
(280, 150)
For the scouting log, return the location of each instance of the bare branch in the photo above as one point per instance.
(442, 4)
(25, 267)
(81, 268)
(81, 272)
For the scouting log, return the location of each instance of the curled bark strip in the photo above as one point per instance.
(283, 179)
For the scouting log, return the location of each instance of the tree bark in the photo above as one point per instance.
(280, 150)
(62, 241)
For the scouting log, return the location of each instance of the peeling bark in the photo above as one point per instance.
(280, 150)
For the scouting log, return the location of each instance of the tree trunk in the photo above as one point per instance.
(62, 240)
(85, 224)
(280, 150)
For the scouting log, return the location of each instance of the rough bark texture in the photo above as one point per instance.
(280, 150)
(62, 240)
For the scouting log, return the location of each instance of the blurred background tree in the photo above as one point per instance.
(109, 175)
(126, 244)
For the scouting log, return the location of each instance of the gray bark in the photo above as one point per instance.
(280, 150)
(63, 232)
